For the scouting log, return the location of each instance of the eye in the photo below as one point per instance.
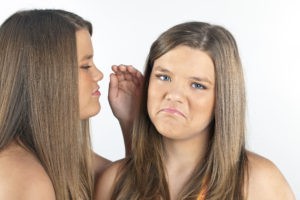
(163, 77)
(85, 67)
(198, 86)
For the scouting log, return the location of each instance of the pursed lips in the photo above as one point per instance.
(96, 91)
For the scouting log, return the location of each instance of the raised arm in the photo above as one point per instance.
(124, 96)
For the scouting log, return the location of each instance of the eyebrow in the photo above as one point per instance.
(86, 57)
(201, 79)
(195, 78)
(159, 68)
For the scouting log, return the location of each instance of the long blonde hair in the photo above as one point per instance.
(223, 170)
(39, 104)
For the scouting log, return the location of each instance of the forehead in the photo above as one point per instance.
(186, 60)
(84, 44)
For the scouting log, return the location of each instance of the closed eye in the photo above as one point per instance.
(85, 67)
(198, 86)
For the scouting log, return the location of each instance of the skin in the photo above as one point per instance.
(181, 105)
(266, 181)
(181, 94)
(124, 93)
(22, 176)
(27, 179)
(89, 76)
(124, 88)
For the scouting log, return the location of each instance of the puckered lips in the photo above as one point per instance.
(96, 92)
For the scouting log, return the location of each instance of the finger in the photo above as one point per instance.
(128, 77)
(128, 73)
(136, 81)
(126, 70)
(120, 76)
(132, 70)
(113, 86)
(114, 68)
(122, 68)
(118, 68)
(136, 72)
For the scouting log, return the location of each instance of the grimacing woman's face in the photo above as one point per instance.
(181, 93)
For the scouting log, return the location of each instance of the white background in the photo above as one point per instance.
(267, 33)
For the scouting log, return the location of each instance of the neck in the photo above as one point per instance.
(182, 156)
(185, 153)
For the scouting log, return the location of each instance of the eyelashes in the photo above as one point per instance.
(195, 85)
(163, 77)
(85, 67)
(198, 86)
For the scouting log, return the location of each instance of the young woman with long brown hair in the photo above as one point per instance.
(48, 91)
(189, 137)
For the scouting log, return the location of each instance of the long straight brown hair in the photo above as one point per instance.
(223, 171)
(39, 104)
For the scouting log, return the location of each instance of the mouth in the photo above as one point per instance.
(172, 111)
(96, 92)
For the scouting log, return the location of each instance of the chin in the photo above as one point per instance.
(90, 113)
(96, 111)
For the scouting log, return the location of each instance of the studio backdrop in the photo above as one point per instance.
(268, 36)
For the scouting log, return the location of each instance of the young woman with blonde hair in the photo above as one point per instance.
(48, 91)
(189, 137)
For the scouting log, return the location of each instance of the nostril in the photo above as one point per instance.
(174, 96)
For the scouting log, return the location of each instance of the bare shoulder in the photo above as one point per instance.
(105, 182)
(100, 163)
(266, 181)
(22, 176)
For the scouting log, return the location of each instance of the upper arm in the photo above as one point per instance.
(266, 181)
(31, 191)
(105, 183)
(23, 177)
(20, 184)
(39, 189)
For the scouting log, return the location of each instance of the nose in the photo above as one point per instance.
(98, 75)
(175, 92)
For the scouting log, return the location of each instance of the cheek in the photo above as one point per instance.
(83, 81)
(83, 89)
(81, 93)
(207, 107)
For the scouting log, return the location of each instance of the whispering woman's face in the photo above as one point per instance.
(89, 76)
